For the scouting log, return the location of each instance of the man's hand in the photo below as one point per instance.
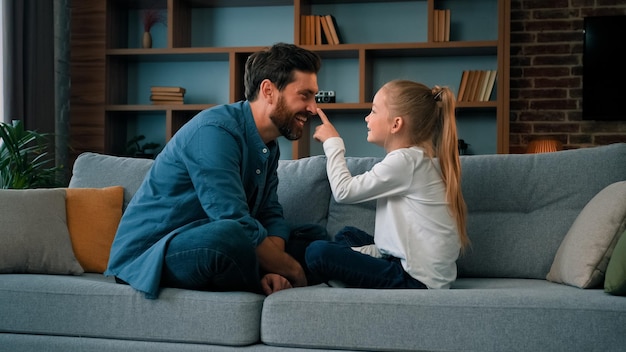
(325, 130)
(271, 283)
(274, 259)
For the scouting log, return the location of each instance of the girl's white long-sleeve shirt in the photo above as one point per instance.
(413, 221)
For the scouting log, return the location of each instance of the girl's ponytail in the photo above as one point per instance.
(446, 150)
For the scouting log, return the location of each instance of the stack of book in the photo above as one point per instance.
(318, 30)
(441, 26)
(476, 85)
(167, 95)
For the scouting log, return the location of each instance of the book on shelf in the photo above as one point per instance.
(484, 80)
(167, 102)
(471, 85)
(311, 26)
(170, 89)
(462, 85)
(327, 36)
(441, 25)
(436, 26)
(479, 83)
(332, 25)
(166, 97)
(490, 84)
(169, 94)
(303, 30)
(319, 30)
(476, 85)
(446, 26)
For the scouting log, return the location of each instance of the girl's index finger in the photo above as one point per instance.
(322, 116)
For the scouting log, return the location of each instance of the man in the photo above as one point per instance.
(206, 216)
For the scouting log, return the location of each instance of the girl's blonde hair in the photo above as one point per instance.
(432, 123)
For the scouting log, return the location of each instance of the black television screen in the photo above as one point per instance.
(604, 68)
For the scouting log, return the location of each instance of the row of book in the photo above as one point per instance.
(441, 26)
(318, 30)
(164, 95)
(476, 85)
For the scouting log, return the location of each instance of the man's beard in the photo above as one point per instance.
(286, 121)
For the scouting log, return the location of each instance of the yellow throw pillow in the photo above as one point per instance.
(93, 215)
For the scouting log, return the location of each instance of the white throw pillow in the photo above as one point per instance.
(584, 253)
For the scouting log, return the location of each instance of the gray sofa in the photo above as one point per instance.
(520, 209)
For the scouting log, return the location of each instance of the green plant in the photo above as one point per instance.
(24, 159)
(133, 148)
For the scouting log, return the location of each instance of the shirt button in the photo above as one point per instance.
(264, 150)
(258, 172)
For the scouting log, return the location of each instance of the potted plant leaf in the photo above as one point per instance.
(24, 158)
(147, 150)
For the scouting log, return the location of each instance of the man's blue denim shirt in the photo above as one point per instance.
(215, 167)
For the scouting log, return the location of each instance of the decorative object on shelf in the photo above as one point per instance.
(24, 159)
(146, 150)
(150, 17)
(544, 145)
(325, 96)
(167, 95)
(146, 41)
(463, 147)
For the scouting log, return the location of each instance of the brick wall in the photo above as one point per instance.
(546, 74)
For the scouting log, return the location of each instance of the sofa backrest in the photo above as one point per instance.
(93, 170)
(521, 205)
(304, 192)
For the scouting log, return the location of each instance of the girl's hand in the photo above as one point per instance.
(325, 130)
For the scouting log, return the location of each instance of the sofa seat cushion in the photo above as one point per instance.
(92, 305)
(478, 314)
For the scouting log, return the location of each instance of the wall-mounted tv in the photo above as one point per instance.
(604, 68)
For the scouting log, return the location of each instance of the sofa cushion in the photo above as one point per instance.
(33, 233)
(615, 279)
(476, 315)
(521, 206)
(583, 256)
(93, 170)
(92, 305)
(303, 190)
(93, 215)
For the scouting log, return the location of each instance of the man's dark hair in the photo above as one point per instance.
(277, 64)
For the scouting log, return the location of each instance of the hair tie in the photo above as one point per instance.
(438, 95)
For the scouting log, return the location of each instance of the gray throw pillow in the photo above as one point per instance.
(34, 237)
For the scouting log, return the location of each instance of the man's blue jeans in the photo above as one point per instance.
(337, 261)
(225, 261)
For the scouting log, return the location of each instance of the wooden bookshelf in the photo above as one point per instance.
(105, 101)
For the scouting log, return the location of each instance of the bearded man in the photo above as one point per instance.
(207, 216)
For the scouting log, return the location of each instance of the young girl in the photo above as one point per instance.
(420, 211)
